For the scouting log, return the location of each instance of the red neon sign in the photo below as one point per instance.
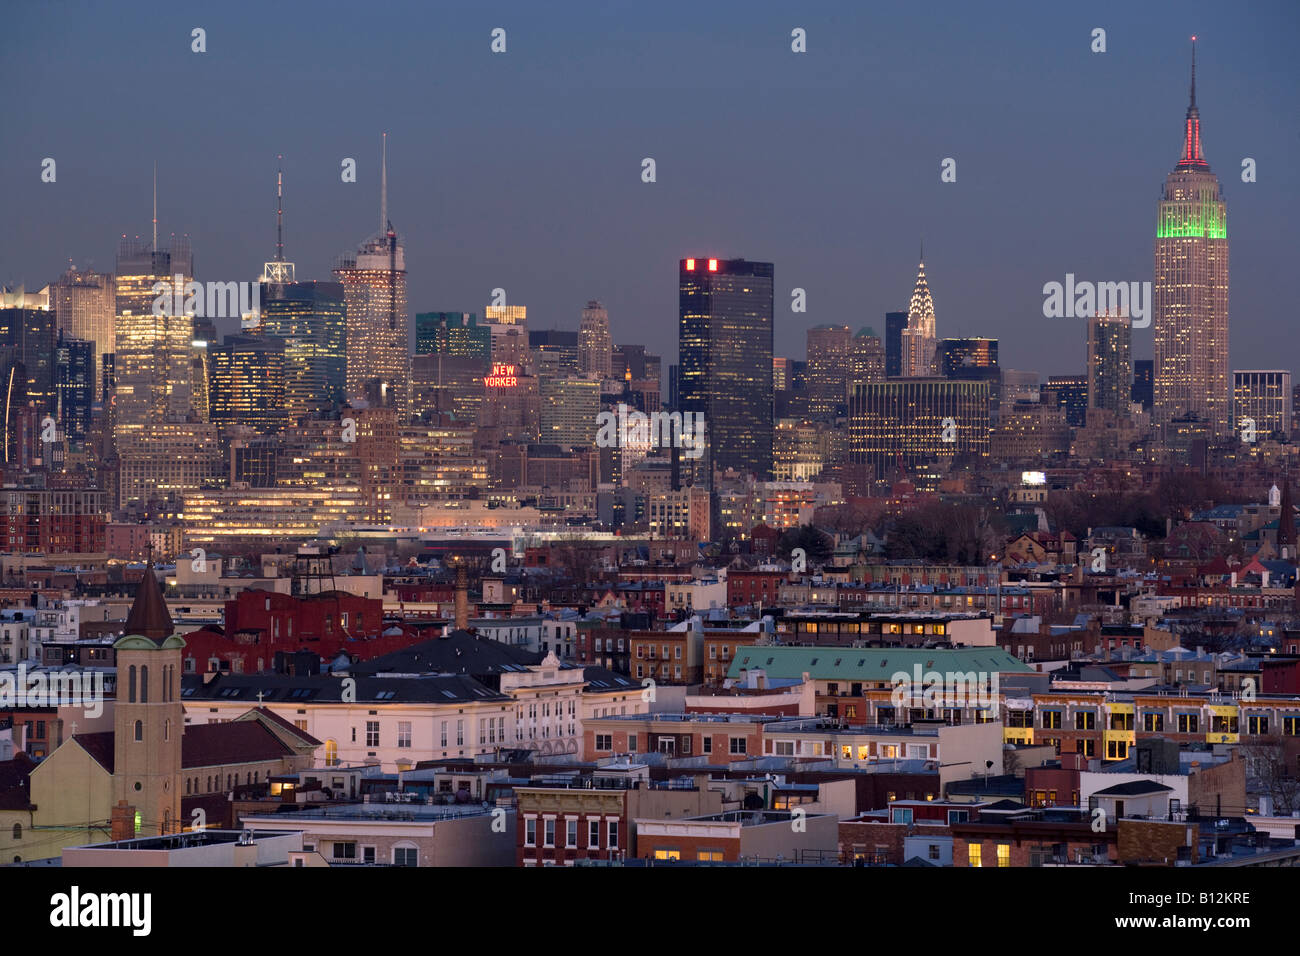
(503, 376)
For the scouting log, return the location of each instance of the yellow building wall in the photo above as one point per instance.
(73, 792)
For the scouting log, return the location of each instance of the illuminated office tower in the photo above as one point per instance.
(1191, 288)
(452, 333)
(84, 306)
(725, 364)
(828, 369)
(153, 353)
(867, 358)
(569, 407)
(506, 315)
(1110, 363)
(248, 383)
(903, 422)
(919, 346)
(378, 330)
(1263, 396)
(595, 347)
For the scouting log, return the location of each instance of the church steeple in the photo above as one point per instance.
(1286, 522)
(149, 616)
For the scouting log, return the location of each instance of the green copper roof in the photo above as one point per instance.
(870, 663)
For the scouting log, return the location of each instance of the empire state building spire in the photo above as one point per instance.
(1193, 156)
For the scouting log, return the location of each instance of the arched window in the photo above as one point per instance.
(131, 696)
(187, 786)
(229, 784)
(18, 831)
(139, 731)
(257, 774)
(209, 784)
(331, 753)
(144, 683)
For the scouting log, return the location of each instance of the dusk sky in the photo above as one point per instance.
(522, 170)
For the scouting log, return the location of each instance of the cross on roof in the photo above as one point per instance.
(259, 696)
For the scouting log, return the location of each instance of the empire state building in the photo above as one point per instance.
(1191, 289)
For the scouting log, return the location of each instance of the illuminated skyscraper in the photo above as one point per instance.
(84, 306)
(866, 359)
(153, 353)
(725, 360)
(248, 383)
(919, 346)
(378, 329)
(595, 347)
(1191, 288)
(828, 369)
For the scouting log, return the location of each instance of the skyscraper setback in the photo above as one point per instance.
(1191, 288)
(378, 337)
(725, 360)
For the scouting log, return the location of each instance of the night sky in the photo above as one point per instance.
(523, 170)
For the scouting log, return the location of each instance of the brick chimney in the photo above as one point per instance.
(462, 597)
(122, 826)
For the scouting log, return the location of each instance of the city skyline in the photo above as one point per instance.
(989, 280)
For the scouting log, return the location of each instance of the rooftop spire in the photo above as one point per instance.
(155, 206)
(383, 190)
(279, 209)
(1192, 153)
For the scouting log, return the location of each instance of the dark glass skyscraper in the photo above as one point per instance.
(895, 322)
(453, 333)
(27, 337)
(725, 357)
(311, 318)
(1144, 382)
(74, 384)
